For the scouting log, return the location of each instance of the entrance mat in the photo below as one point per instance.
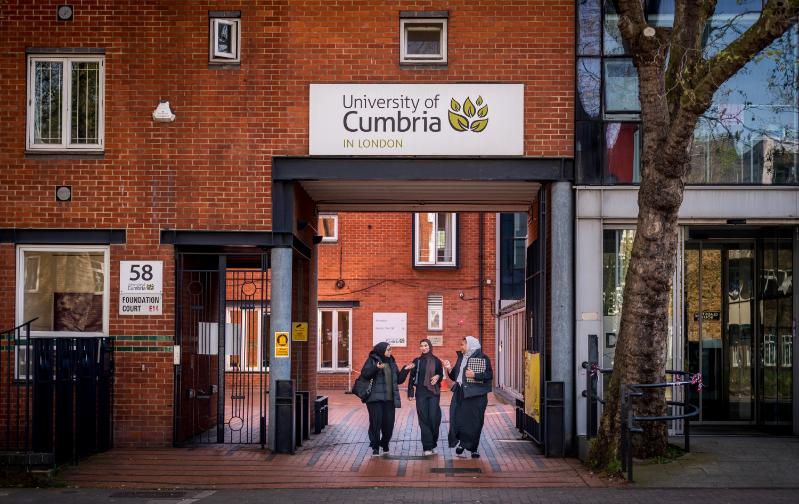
(455, 470)
(147, 495)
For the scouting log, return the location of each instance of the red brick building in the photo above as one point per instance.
(370, 269)
(92, 174)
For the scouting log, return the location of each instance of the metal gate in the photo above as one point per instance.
(221, 319)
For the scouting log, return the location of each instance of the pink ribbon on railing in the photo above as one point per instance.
(696, 379)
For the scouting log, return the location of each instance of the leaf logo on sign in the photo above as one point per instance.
(463, 121)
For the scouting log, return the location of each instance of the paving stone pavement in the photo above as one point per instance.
(340, 458)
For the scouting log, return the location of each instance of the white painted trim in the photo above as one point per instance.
(66, 102)
(334, 216)
(334, 343)
(216, 56)
(432, 253)
(423, 25)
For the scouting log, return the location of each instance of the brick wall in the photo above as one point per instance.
(373, 256)
(211, 168)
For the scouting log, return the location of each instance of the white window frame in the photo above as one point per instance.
(66, 103)
(216, 56)
(435, 303)
(422, 24)
(334, 358)
(334, 238)
(20, 301)
(434, 262)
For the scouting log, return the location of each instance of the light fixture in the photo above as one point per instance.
(163, 113)
(65, 12)
(63, 193)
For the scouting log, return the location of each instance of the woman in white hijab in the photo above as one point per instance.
(472, 377)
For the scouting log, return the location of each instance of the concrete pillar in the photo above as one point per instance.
(562, 289)
(280, 321)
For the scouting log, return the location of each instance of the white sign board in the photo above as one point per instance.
(417, 119)
(141, 286)
(391, 328)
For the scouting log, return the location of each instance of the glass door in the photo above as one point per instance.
(719, 298)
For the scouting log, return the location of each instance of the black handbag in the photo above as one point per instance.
(362, 388)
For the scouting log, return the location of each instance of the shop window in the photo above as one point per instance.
(435, 239)
(435, 312)
(423, 39)
(328, 228)
(225, 38)
(65, 103)
(335, 335)
(64, 289)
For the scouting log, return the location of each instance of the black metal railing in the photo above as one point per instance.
(629, 421)
(17, 390)
(57, 395)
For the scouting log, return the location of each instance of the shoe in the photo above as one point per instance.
(459, 450)
(427, 453)
(433, 451)
(385, 450)
(375, 452)
(475, 455)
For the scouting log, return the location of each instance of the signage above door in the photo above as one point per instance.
(416, 120)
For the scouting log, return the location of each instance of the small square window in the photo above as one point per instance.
(423, 41)
(225, 40)
(328, 228)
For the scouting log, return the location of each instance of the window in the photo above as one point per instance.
(65, 103)
(225, 40)
(435, 312)
(243, 351)
(423, 40)
(335, 333)
(435, 239)
(512, 254)
(71, 290)
(328, 228)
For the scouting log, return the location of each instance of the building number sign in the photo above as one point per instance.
(141, 285)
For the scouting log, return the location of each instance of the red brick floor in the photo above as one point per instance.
(340, 457)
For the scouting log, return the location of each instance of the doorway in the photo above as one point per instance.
(738, 328)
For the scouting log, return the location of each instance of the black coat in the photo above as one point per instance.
(379, 387)
(417, 375)
(483, 381)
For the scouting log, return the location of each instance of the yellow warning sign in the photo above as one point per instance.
(299, 331)
(281, 344)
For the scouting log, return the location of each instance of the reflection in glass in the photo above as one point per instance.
(660, 12)
(749, 134)
(622, 153)
(85, 108)
(47, 106)
(424, 40)
(326, 343)
(588, 27)
(588, 86)
(621, 86)
(613, 42)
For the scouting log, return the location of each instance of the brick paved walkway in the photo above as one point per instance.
(340, 457)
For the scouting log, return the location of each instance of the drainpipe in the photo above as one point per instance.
(480, 279)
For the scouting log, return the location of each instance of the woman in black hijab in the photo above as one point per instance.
(427, 382)
(381, 368)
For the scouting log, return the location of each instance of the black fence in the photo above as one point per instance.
(630, 422)
(57, 395)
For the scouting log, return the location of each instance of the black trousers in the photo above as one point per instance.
(428, 411)
(381, 421)
(466, 417)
